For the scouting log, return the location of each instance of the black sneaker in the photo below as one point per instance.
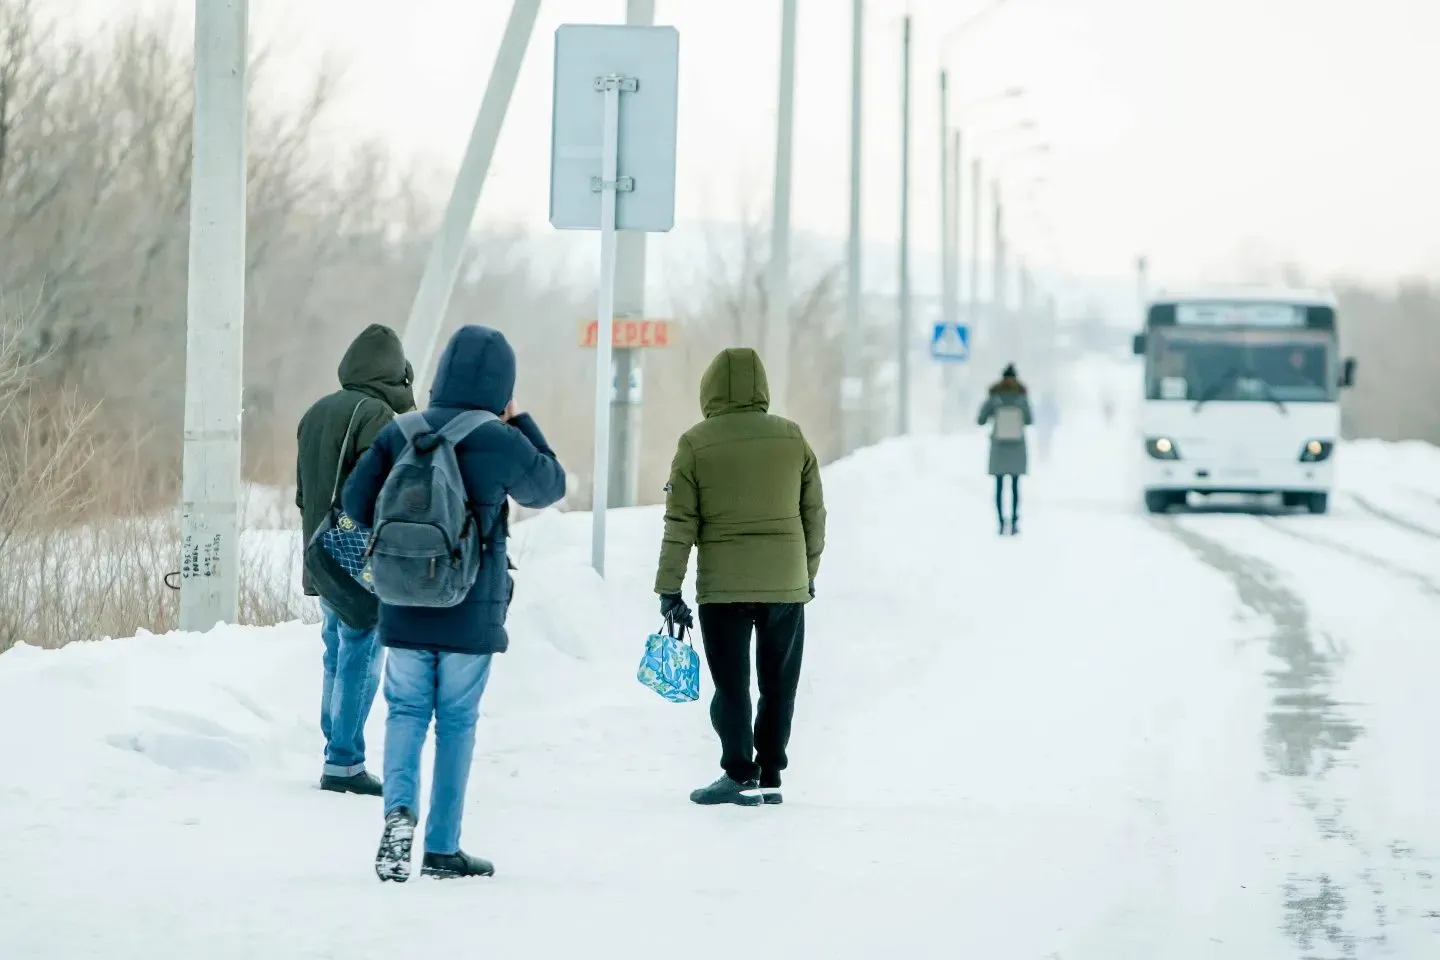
(392, 860)
(770, 789)
(450, 866)
(365, 784)
(726, 790)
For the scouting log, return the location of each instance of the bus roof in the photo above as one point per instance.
(1247, 294)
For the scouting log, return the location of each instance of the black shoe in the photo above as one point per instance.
(1014, 526)
(365, 784)
(771, 796)
(451, 866)
(392, 860)
(726, 790)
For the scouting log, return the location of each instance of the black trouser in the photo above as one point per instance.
(747, 752)
(1014, 497)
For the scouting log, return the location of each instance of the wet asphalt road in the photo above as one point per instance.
(1308, 732)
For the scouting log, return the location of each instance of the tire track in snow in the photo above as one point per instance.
(1306, 734)
(1394, 519)
(1422, 581)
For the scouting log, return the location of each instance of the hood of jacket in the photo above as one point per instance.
(374, 364)
(476, 371)
(1007, 385)
(735, 383)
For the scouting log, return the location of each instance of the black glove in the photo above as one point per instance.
(674, 609)
(812, 588)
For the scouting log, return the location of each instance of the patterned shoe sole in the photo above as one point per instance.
(392, 861)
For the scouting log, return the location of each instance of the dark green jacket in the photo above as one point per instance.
(374, 386)
(745, 489)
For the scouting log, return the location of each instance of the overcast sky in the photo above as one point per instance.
(1206, 133)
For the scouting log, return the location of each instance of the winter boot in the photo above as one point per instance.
(365, 784)
(726, 790)
(450, 866)
(1014, 526)
(392, 860)
(770, 790)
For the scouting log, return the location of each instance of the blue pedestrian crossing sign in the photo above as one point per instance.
(950, 343)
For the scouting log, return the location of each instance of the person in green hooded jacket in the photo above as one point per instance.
(375, 385)
(745, 490)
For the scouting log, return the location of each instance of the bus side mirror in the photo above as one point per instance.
(1347, 374)
(1137, 345)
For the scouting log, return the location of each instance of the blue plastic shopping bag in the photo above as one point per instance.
(671, 667)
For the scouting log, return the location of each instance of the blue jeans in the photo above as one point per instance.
(420, 684)
(353, 663)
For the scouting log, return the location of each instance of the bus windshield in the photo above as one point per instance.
(1218, 365)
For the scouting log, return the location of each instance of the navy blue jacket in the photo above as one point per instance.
(498, 460)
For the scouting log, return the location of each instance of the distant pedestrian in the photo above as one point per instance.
(1007, 408)
(745, 490)
(336, 431)
(439, 657)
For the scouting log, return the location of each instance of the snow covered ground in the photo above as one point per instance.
(1111, 738)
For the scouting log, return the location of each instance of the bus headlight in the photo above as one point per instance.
(1316, 451)
(1162, 448)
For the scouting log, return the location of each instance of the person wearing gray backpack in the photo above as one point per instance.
(434, 488)
(1007, 410)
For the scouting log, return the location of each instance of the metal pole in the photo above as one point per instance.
(215, 318)
(777, 285)
(947, 273)
(625, 414)
(605, 325)
(953, 376)
(427, 313)
(851, 384)
(997, 293)
(903, 345)
(977, 197)
(947, 278)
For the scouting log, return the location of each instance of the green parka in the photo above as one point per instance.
(374, 386)
(745, 489)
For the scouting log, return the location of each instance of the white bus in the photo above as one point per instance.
(1241, 396)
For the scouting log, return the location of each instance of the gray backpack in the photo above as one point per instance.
(426, 547)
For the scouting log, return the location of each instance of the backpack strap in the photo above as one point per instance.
(463, 424)
(413, 424)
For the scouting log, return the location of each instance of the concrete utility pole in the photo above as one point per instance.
(852, 386)
(903, 344)
(777, 285)
(215, 322)
(437, 284)
(625, 409)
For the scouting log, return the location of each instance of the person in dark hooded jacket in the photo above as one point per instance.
(439, 657)
(1007, 409)
(375, 385)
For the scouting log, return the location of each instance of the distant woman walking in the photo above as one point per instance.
(1007, 409)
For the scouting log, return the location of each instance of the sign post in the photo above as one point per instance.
(592, 140)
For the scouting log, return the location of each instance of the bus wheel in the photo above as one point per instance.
(1159, 501)
(1318, 503)
(1292, 499)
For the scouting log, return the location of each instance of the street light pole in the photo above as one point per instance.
(903, 344)
(851, 385)
(777, 319)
